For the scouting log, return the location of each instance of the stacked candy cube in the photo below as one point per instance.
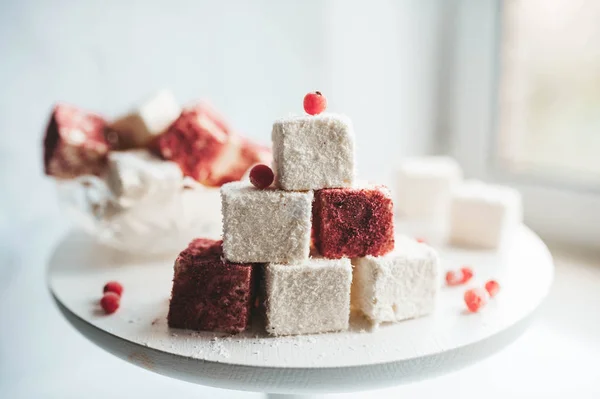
(296, 251)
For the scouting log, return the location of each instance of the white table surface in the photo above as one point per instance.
(42, 356)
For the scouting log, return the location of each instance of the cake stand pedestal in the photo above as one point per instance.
(354, 360)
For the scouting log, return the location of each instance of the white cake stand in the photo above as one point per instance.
(355, 360)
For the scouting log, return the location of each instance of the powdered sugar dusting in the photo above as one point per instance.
(217, 347)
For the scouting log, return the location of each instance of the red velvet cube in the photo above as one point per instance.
(210, 293)
(75, 143)
(206, 148)
(353, 222)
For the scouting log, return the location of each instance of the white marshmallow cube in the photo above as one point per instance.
(313, 152)
(483, 215)
(401, 285)
(137, 175)
(422, 186)
(309, 297)
(269, 225)
(150, 119)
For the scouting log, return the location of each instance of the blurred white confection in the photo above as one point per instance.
(151, 118)
(422, 186)
(135, 175)
(159, 222)
(482, 215)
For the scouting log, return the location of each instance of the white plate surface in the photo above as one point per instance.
(449, 339)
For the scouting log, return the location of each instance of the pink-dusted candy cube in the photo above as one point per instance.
(206, 148)
(210, 293)
(353, 222)
(75, 144)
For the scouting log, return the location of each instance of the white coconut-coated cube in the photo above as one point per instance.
(308, 297)
(269, 225)
(401, 285)
(484, 215)
(422, 186)
(313, 152)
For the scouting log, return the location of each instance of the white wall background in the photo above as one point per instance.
(254, 60)
(383, 73)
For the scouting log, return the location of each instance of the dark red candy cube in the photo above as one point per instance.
(75, 143)
(353, 222)
(210, 293)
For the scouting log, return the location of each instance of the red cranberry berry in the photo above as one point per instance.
(315, 103)
(467, 274)
(454, 277)
(261, 176)
(110, 302)
(475, 298)
(492, 287)
(113, 286)
(459, 277)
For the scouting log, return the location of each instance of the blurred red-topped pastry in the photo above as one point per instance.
(206, 148)
(75, 144)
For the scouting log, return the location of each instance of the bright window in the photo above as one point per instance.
(525, 108)
(549, 92)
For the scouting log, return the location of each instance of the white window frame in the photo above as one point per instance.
(559, 211)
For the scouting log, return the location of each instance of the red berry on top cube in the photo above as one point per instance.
(315, 103)
(261, 176)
